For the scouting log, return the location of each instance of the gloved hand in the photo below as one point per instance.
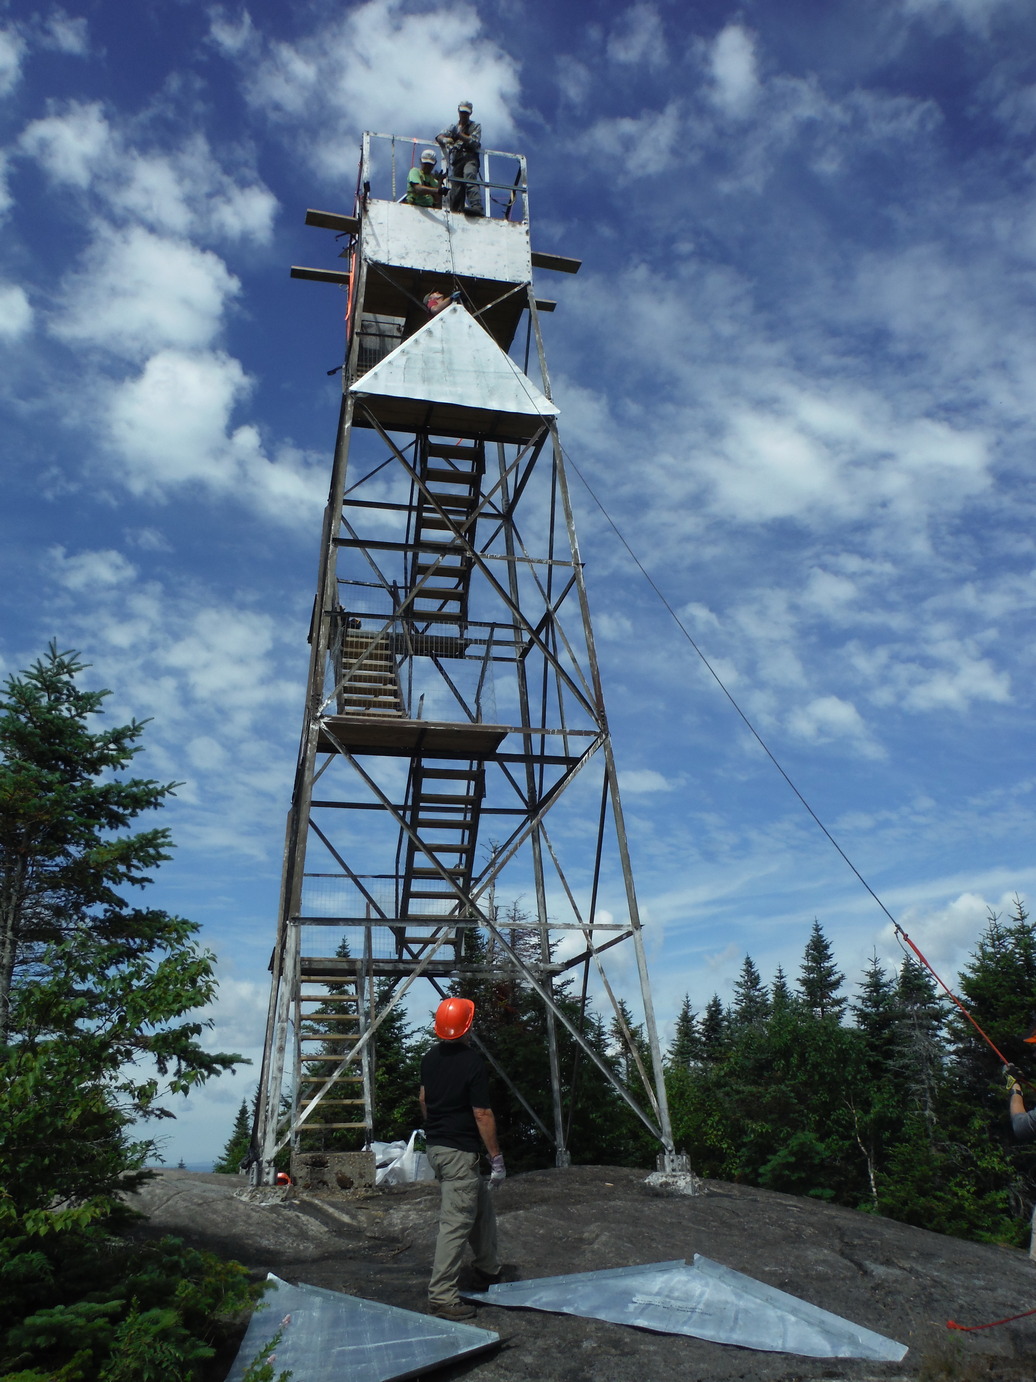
(497, 1171)
(1011, 1076)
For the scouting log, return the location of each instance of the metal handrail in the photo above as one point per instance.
(518, 188)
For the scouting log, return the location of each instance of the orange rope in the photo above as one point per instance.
(951, 995)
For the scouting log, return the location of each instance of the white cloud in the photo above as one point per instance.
(769, 468)
(148, 540)
(643, 781)
(970, 14)
(185, 192)
(733, 68)
(69, 146)
(182, 190)
(829, 592)
(826, 719)
(648, 142)
(937, 670)
(171, 425)
(378, 67)
(12, 50)
(232, 36)
(956, 687)
(637, 38)
(90, 571)
(66, 34)
(6, 200)
(15, 312)
(946, 932)
(220, 681)
(137, 291)
(575, 81)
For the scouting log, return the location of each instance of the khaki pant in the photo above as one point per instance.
(466, 1215)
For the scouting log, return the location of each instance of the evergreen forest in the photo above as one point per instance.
(879, 1095)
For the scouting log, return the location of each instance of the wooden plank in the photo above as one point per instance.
(363, 734)
(321, 275)
(560, 263)
(545, 305)
(333, 220)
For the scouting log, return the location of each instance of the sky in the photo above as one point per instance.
(797, 370)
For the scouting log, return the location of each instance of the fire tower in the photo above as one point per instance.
(455, 748)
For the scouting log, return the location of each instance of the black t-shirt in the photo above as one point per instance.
(455, 1081)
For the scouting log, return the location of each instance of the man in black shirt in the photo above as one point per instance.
(458, 1122)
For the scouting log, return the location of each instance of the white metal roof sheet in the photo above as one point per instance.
(452, 359)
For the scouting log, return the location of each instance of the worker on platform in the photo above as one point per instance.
(458, 1122)
(461, 144)
(423, 186)
(437, 300)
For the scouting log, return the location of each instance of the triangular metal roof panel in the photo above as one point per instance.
(453, 360)
(705, 1300)
(326, 1336)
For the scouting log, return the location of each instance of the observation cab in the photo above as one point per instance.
(399, 253)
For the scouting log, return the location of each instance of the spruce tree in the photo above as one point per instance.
(686, 1049)
(875, 1014)
(820, 980)
(234, 1153)
(751, 1001)
(781, 997)
(919, 1053)
(97, 995)
(998, 987)
(65, 812)
(714, 1027)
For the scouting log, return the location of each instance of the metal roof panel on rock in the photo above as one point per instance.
(705, 1300)
(327, 1336)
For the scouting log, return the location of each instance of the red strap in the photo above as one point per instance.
(969, 1328)
(950, 994)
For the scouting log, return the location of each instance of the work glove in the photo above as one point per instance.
(1011, 1077)
(497, 1171)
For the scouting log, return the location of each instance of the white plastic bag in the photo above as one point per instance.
(385, 1153)
(410, 1165)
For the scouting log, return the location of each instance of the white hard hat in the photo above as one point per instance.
(428, 156)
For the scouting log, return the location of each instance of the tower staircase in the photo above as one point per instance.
(330, 1021)
(445, 802)
(439, 569)
(367, 675)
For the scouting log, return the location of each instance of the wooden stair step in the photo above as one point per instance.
(311, 1129)
(444, 451)
(437, 476)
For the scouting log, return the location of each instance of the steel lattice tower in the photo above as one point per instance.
(455, 746)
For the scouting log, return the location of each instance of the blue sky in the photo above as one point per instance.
(797, 368)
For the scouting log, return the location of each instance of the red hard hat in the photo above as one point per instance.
(453, 1017)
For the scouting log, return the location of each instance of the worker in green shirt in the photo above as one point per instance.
(423, 188)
